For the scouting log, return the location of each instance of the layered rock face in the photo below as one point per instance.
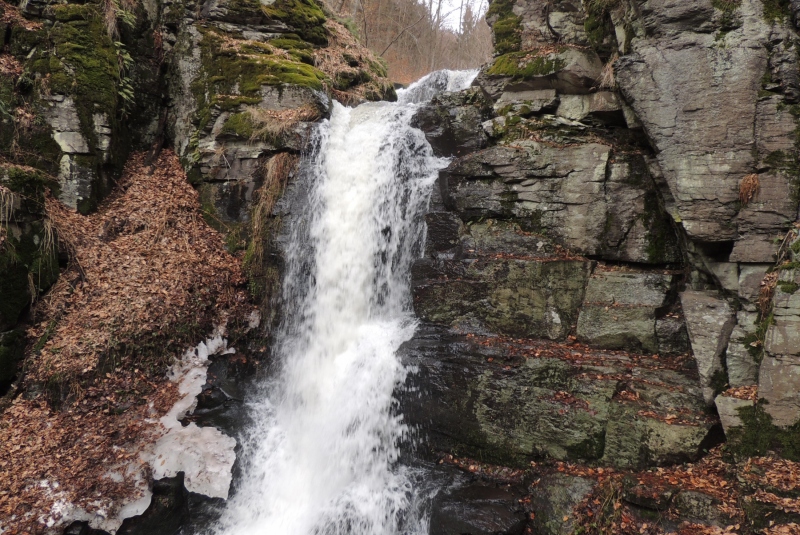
(611, 258)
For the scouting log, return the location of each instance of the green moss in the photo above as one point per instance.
(788, 287)
(238, 124)
(31, 185)
(776, 10)
(758, 435)
(304, 16)
(231, 78)
(72, 12)
(726, 5)
(299, 49)
(523, 66)
(754, 342)
(506, 26)
(507, 34)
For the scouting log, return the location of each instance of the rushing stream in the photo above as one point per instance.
(322, 455)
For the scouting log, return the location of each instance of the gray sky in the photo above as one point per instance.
(452, 8)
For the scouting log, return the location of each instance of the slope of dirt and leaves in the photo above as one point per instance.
(147, 279)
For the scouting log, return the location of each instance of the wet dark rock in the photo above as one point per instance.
(477, 510)
(82, 528)
(168, 510)
(511, 401)
(452, 122)
(651, 497)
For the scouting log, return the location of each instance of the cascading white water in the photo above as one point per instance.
(321, 455)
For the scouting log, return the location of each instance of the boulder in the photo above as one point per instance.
(452, 122)
(508, 401)
(602, 108)
(476, 510)
(778, 378)
(783, 335)
(571, 194)
(710, 321)
(619, 309)
(728, 409)
(697, 103)
(740, 361)
(555, 498)
(567, 70)
(527, 102)
(700, 508)
(521, 297)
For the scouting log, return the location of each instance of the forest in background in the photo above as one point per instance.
(417, 37)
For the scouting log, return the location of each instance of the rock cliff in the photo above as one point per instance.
(608, 291)
(611, 262)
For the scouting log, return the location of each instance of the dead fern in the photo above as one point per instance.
(748, 188)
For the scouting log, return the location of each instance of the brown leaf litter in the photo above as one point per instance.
(148, 279)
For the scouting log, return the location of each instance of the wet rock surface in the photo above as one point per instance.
(478, 510)
(512, 400)
(614, 254)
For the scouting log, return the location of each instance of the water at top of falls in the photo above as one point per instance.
(321, 456)
(429, 85)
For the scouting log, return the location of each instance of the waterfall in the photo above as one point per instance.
(321, 456)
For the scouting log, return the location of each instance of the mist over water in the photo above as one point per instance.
(322, 454)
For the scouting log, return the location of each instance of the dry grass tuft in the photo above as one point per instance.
(766, 292)
(272, 124)
(277, 172)
(748, 188)
(331, 60)
(607, 79)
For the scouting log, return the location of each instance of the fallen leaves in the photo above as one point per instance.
(148, 277)
(743, 392)
(151, 276)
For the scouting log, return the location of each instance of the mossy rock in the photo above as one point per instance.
(525, 65)
(28, 262)
(305, 17)
(79, 59)
(230, 78)
(757, 435)
(507, 34)
(28, 256)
